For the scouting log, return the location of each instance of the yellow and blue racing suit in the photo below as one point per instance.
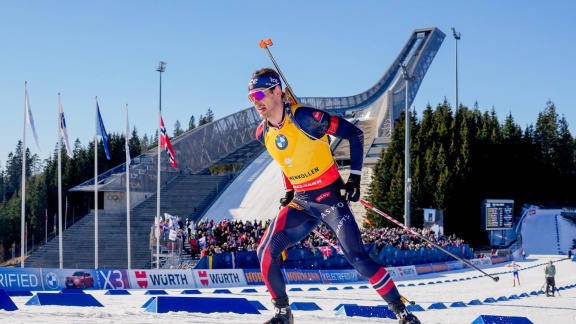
(300, 146)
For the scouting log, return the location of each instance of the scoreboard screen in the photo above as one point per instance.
(497, 214)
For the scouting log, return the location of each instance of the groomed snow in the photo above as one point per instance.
(538, 309)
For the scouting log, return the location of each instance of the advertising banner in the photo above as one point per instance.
(486, 261)
(340, 276)
(476, 262)
(294, 276)
(393, 273)
(163, 279)
(20, 279)
(407, 271)
(253, 277)
(455, 265)
(113, 279)
(58, 279)
(440, 267)
(219, 278)
(424, 269)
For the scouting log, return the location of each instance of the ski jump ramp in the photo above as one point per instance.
(255, 193)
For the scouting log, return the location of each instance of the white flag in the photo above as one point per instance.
(63, 129)
(29, 118)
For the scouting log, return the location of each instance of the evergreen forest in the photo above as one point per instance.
(459, 159)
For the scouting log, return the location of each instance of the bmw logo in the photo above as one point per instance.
(281, 142)
(52, 280)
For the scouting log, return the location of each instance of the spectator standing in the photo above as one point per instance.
(523, 255)
(188, 226)
(194, 248)
(550, 273)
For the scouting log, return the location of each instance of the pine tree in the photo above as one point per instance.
(177, 128)
(145, 144)
(192, 123)
(202, 121)
(135, 143)
(209, 115)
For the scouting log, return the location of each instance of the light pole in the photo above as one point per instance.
(456, 38)
(161, 68)
(407, 180)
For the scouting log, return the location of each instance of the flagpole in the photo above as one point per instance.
(161, 68)
(96, 189)
(127, 137)
(66, 214)
(60, 185)
(46, 226)
(23, 203)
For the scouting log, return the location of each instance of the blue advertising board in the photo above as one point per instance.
(15, 279)
(58, 279)
(114, 279)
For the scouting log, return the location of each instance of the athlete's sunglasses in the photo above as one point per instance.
(259, 94)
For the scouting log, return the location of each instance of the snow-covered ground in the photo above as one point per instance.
(539, 235)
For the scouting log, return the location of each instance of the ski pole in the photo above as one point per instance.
(542, 288)
(558, 291)
(381, 213)
(554, 289)
(292, 99)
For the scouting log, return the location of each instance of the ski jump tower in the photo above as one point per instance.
(385, 100)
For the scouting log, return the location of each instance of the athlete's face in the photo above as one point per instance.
(267, 101)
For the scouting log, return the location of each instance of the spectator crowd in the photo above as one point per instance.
(208, 237)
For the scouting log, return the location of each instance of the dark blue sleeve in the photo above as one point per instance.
(260, 133)
(318, 123)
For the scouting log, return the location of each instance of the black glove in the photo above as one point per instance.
(287, 198)
(352, 188)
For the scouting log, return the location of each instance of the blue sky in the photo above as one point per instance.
(513, 56)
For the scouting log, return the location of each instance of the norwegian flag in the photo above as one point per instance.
(326, 251)
(165, 143)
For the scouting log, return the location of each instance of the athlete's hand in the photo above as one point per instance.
(352, 188)
(287, 198)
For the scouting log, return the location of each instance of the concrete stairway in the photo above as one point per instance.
(178, 198)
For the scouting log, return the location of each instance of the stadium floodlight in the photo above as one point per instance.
(161, 68)
(456, 39)
(407, 180)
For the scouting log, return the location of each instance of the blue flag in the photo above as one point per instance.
(102, 132)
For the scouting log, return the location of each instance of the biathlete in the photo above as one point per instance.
(297, 139)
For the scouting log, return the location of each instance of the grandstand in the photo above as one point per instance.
(192, 192)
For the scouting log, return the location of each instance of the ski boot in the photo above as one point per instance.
(283, 313)
(404, 316)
